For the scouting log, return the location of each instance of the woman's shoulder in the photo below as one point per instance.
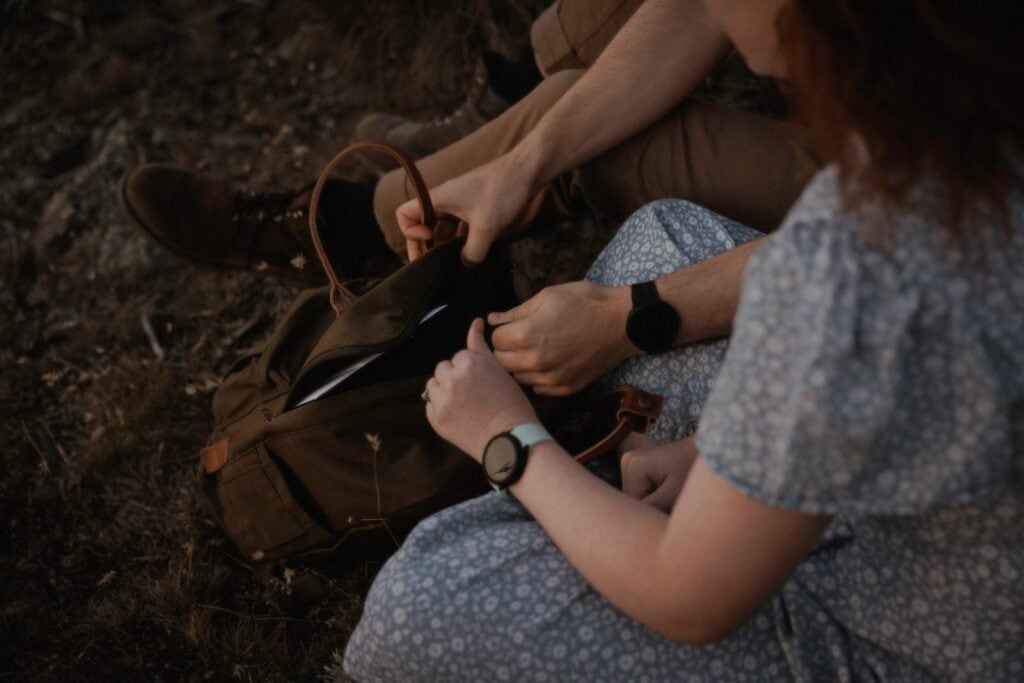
(905, 247)
(890, 363)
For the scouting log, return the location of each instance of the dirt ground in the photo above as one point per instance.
(111, 569)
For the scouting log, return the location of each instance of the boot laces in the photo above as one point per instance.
(255, 211)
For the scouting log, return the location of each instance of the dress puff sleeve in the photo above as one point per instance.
(867, 380)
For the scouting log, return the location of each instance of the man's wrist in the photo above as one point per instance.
(533, 158)
(620, 303)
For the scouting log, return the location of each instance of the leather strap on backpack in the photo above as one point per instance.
(637, 411)
(340, 295)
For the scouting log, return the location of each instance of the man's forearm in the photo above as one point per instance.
(662, 53)
(705, 295)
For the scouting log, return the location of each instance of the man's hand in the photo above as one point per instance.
(565, 337)
(488, 199)
(656, 475)
(471, 399)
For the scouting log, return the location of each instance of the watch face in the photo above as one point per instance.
(653, 326)
(502, 459)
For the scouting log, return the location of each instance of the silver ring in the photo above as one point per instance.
(425, 395)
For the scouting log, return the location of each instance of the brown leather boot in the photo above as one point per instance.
(220, 223)
(422, 138)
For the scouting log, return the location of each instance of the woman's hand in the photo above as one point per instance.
(489, 199)
(565, 337)
(470, 399)
(656, 475)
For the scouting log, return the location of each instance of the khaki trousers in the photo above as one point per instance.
(747, 167)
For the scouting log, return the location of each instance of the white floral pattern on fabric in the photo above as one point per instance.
(479, 592)
(659, 239)
(886, 385)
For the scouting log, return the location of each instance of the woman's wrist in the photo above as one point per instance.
(501, 423)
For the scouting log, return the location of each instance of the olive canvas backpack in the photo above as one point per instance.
(321, 447)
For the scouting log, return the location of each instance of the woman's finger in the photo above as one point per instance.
(664, 496)
(442, 370)
(635, 479)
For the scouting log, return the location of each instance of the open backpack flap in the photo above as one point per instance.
(321, 446)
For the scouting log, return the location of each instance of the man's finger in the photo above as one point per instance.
(554, 392)
(513, 361)
(478, 243)
(417, 232)
(475, 339)
(523, 310)
(415, 249)
(534, 379)
(511, 336)
(502, 317)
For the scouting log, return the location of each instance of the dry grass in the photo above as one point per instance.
(111, 568)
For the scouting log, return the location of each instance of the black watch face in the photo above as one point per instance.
(653, 326)
(502, 459)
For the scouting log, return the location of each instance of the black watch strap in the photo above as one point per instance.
(653, 324)
(643, 293)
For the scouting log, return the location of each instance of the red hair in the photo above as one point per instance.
(924, 87)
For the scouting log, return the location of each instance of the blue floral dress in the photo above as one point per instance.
(880, 384)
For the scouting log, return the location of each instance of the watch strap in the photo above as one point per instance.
(530, 434)
(643, 293)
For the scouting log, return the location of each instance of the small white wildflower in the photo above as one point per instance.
(374, 441)
(299, 261)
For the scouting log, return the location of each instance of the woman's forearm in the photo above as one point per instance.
(662, 53)
(610, 538)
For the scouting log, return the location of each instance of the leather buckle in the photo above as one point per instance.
(638, 407)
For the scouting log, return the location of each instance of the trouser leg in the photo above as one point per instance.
(747, 167)
(570, 34)
(476, 149)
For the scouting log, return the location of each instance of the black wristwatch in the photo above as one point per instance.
(652, 325)
(505, 456)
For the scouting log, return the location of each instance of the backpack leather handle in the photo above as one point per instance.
(340, 295)
(637, 411)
